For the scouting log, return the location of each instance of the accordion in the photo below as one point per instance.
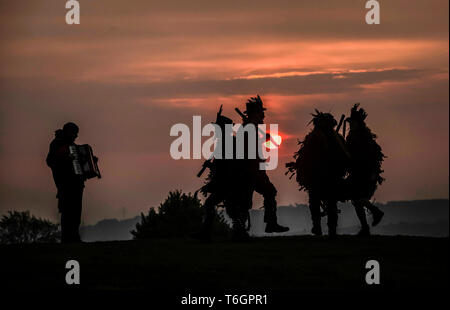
(83, 161)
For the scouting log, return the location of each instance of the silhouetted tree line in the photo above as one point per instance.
(21, 227)
(179, 215)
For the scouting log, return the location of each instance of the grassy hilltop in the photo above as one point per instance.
(276, 263)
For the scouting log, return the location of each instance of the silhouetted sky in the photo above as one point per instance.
(132, 69)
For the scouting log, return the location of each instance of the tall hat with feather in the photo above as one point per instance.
(254, 105)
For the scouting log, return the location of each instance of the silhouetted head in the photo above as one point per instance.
(70, 131)
(357, 117)
(59, 134)
(324, 121)
(255, 109)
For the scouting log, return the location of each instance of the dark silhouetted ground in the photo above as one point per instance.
(277, 263)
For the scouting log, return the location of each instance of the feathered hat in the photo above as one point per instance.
(254, 105)
(321, 119)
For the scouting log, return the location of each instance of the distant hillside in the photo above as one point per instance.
(416, 217)
(109, 229)
(417, 210)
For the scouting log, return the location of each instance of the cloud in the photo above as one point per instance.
(130, 71)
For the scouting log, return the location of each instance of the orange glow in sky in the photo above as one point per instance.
(274, 142)
(128, 73)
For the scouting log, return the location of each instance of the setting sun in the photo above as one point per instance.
(273, 142)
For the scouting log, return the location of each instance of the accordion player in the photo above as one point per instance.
(83, 161)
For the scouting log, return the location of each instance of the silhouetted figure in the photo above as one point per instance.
(320, 167)
(254, 114)
(69, 177)
(223, 185)
(365, 168)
